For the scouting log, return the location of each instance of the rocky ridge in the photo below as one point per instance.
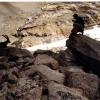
(47, 75)
(47, 22)
(55, 20)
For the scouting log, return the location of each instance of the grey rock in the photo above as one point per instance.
(61, 92)
(43, 59)
(28, 90)
(89, 83)
(67, 69)
(46, 72)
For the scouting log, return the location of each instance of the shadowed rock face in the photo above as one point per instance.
(12, 51)
(86, 51)
(14, 57)
(89, 83)
(24, 76)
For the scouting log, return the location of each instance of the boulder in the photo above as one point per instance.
(12, 51)
(46, 72)
(88, 83)
(66, 58)
(86, 51)
(61, 92)
(44, 59)
(26, 89)
(14, 57)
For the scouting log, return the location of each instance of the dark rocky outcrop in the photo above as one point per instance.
(15, 56)
(86, 51)
(12, 51)
(88, 83)
(46, 75)
(66, 58)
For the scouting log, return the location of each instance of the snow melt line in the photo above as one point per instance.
(92, 33)
(48, 46)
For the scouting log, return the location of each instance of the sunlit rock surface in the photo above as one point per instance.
(45, 22)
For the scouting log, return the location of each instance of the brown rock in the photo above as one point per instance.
(11, 51)
(27, 89)
(3, 91)
(15, 57)
(12, 78)
(44, 59)
(89, 83)
(4, 65)
(34, 94)
(46, 72)
(61, 92)
(69, 69)
(83, 6)
(39, 51)
(2, 74)
(66, 58)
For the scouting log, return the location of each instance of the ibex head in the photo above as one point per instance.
(6, 38)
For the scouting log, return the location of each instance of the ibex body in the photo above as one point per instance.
(4, 44)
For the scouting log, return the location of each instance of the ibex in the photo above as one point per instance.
(4, 44)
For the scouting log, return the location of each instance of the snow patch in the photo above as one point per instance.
(93, 33)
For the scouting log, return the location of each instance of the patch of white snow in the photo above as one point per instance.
(92, 33)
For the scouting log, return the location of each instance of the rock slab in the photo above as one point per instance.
(86, 51)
